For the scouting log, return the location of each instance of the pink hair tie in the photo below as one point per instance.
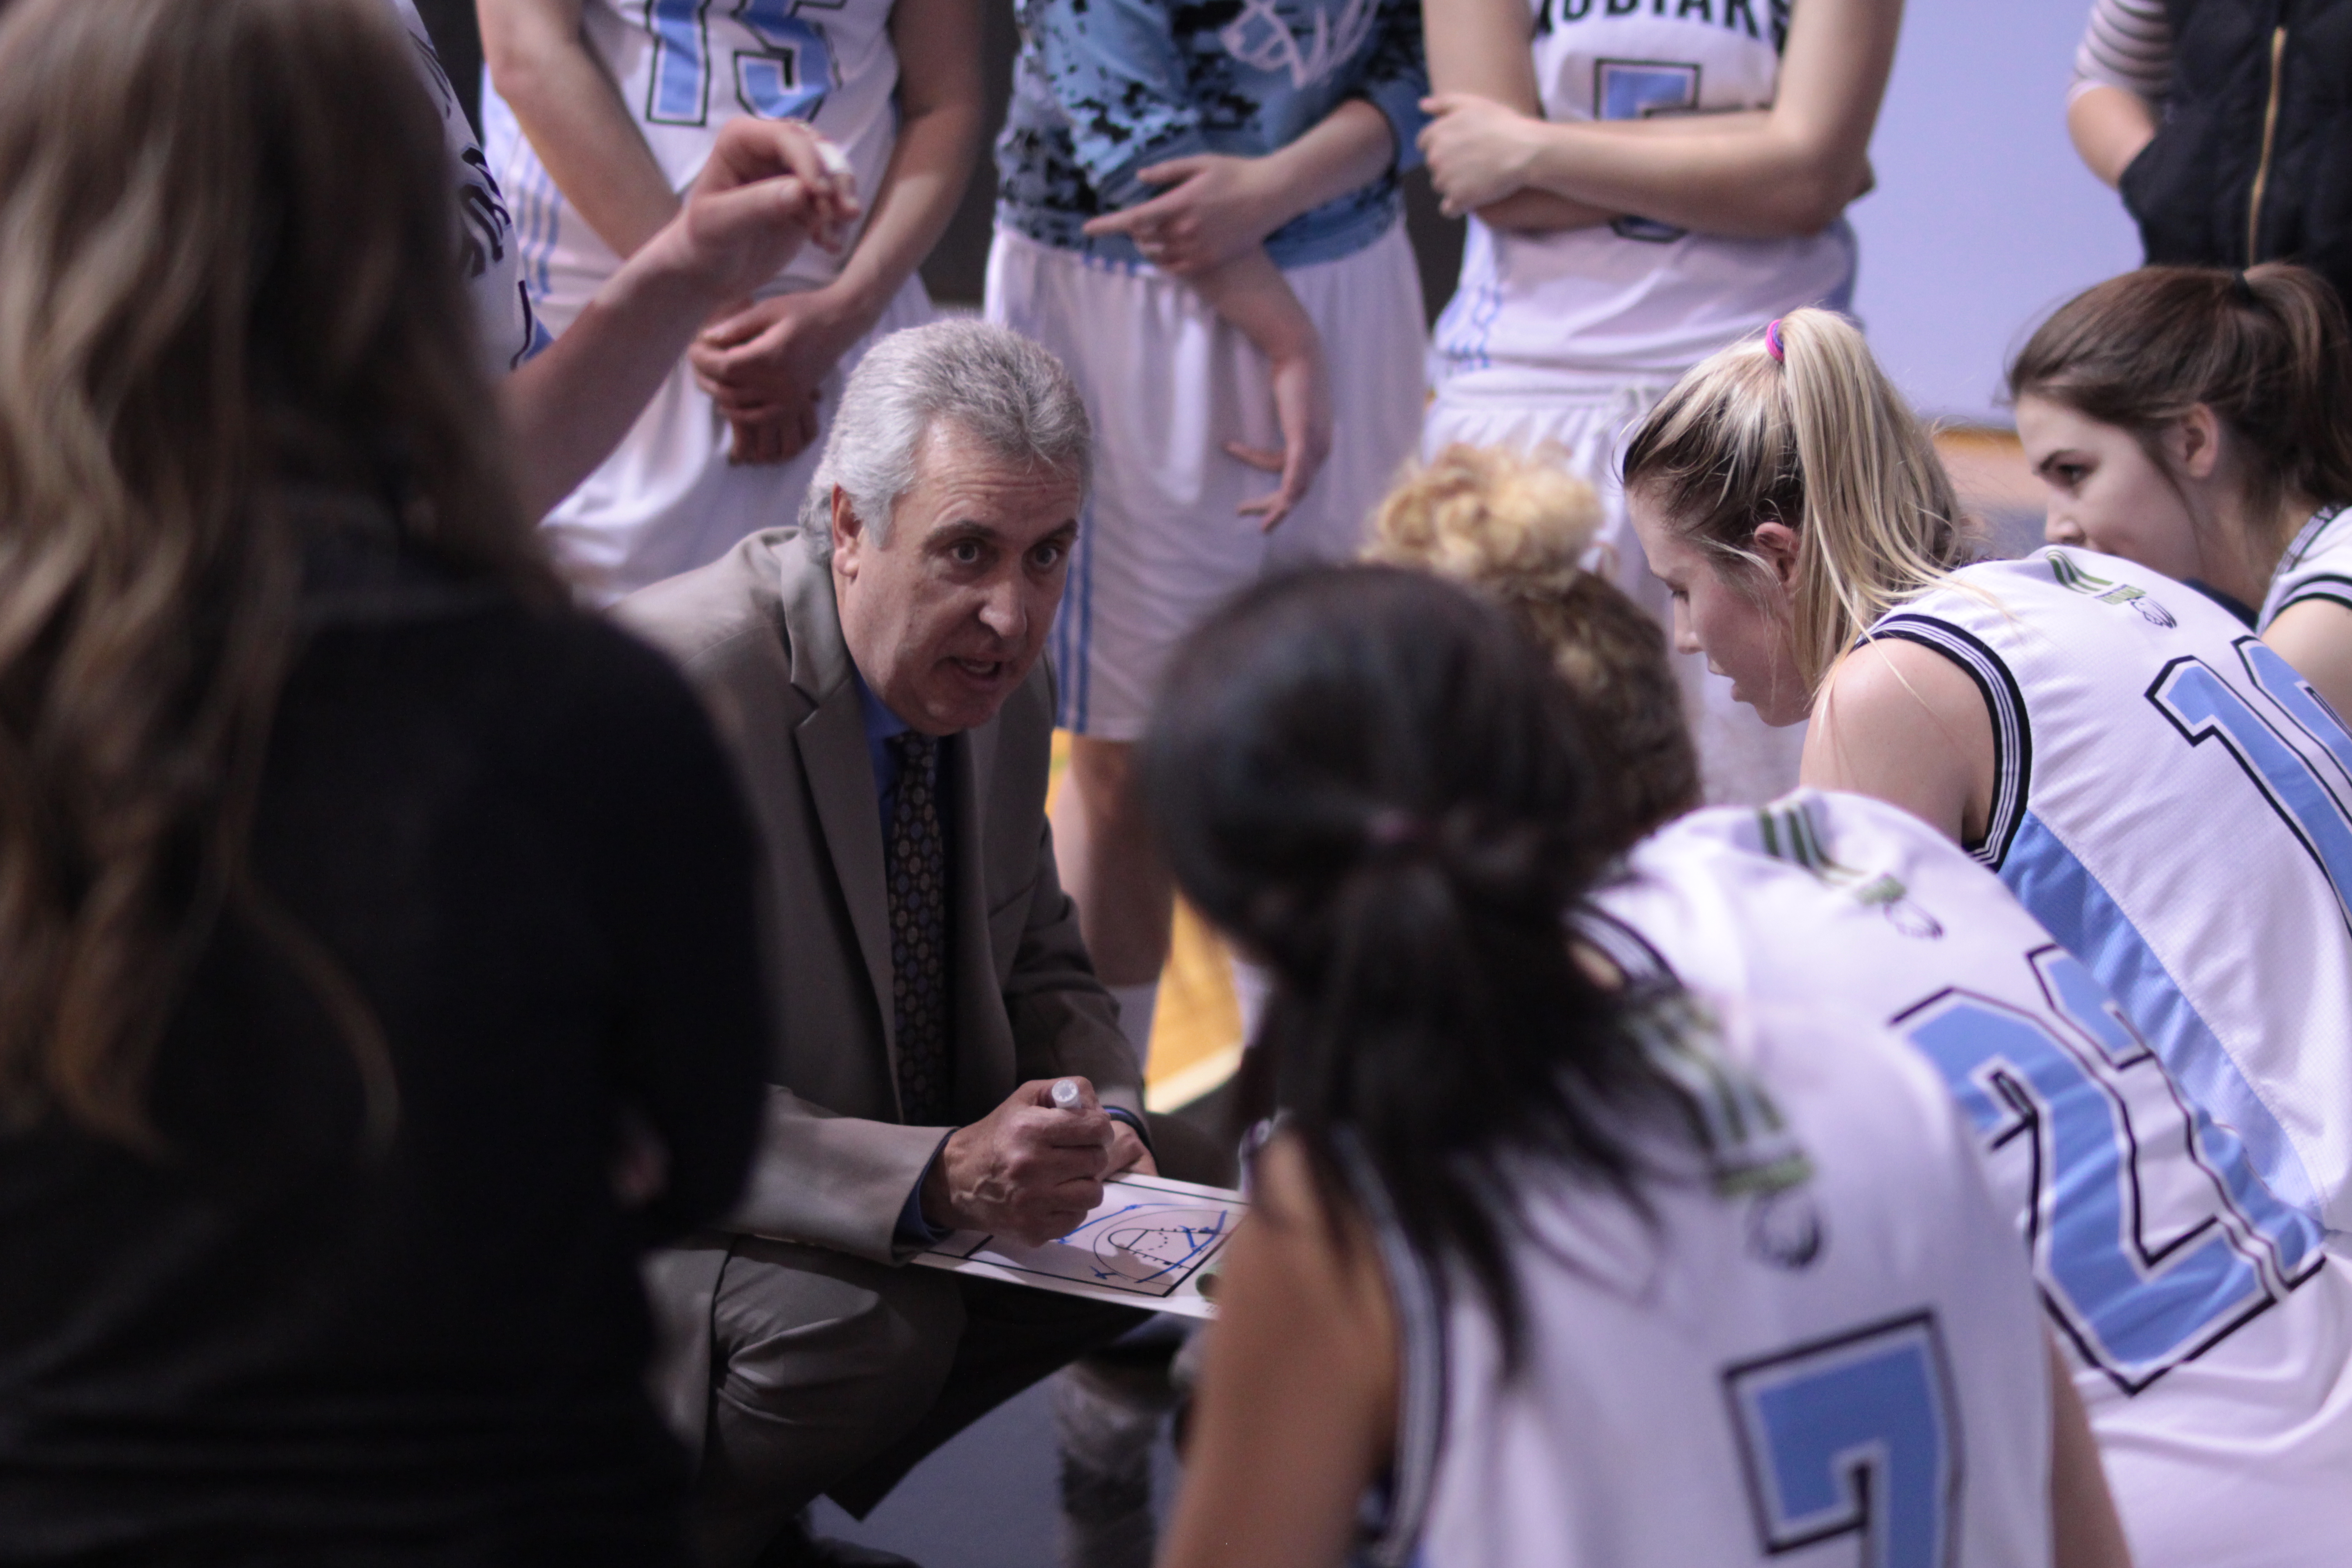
(1772, 341)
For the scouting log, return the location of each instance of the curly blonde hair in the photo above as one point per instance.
(1515, 527)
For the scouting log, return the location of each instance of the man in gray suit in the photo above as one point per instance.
(878, 670)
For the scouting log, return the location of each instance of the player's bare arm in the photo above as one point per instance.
(1298, 1407)
(1218, 205)
(1790, 170)
(768, 187)
(1250, 293)
(567, 104)
(762, 364)
(2086, 1530)
(2315, 637)
(2109, 126)
(1907, 725)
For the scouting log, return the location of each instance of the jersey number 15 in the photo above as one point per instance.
(785, 77)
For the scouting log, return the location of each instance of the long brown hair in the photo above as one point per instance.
(227, 264)
(1818, 440)
(2265, 349)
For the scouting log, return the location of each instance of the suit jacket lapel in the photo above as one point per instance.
(840, 774)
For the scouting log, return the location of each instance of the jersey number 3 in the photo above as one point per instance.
(784, 79)
(1853, 1435)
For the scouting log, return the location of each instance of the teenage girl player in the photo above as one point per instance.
(2214, 1369)
(598, 113)
(2155, 785)
(1198, 212)
(1647, 183)
(1566, 1263)
(2192, 420)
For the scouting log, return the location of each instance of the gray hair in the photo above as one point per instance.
(998, 388)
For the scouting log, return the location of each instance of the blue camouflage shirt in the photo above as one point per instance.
(1104, 88)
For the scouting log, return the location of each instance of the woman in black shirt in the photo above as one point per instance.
(365, 913)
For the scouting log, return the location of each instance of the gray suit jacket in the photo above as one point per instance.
(759, 634)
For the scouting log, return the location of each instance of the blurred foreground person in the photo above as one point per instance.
(1559, 1257)
(377, 965)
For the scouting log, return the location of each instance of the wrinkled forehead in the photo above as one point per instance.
(962, 484)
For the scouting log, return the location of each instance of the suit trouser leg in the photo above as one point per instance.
(833, 1373)
(818, 1361)
(1013, 1337)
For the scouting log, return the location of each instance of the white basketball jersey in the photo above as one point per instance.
(1811, 1370)
(2174, 805)
(685, 67)
(486, 235)
(2317, 565)
(1638, 298)
(2210, 1331)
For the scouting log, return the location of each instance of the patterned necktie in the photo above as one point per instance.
(914, 866)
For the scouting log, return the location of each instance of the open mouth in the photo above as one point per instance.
(980, 669)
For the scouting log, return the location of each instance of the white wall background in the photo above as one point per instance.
(1983, 218)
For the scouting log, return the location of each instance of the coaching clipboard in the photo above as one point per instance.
(1150, 1244)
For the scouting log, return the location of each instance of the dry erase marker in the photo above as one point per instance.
(1066, 1095)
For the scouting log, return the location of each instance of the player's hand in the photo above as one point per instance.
(764, 362)
(1302, 412)
(1216, 207)
(1028, 1169)
(1478, 150)
(769, 186)
(772, 436)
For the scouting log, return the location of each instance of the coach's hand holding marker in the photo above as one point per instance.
(1032, 1169)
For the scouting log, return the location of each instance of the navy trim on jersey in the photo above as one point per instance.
(1628, 948)
(2012, 732)
(2334, 588)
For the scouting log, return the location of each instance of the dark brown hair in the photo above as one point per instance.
(1374, 781)
(2265, 349)
(228, 262)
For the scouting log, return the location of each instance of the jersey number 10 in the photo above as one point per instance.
(785, 77)
(2203, 706)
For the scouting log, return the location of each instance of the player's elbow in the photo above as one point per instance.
(1812, 195)
(522, 40)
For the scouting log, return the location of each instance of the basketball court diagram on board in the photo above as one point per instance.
(1152, 1242)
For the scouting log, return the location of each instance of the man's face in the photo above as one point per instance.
(946, 618)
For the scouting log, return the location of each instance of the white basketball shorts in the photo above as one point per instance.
(1168, 383)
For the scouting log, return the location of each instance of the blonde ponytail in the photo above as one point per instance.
(1818, 440)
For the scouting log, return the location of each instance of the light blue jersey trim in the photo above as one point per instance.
(1072, 639)
(2060, 892)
